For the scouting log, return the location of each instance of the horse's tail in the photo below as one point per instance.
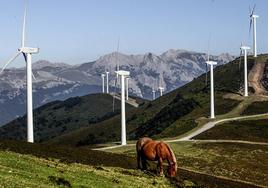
(139, 145)
(174, 160)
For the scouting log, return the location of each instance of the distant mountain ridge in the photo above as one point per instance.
(59, 81)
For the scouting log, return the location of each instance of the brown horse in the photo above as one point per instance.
(148, 149)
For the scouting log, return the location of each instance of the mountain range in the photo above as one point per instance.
(59, 81)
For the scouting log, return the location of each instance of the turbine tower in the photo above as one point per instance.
(27, 53)
(107, 82)
(103, 83)
(212, 112)
(153, 94)
(161, 88)
(253, 20)
(245, 49)
(123, 75)
(127, 81)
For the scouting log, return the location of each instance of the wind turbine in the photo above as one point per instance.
(27, 53)
(103, 84)
(153, 94)
(117, 77)
(127, 80)
(209, 39)
(123, 75)
(212, 113)
(107, 82)
(161, 89)
(253, 20)
(245, 49)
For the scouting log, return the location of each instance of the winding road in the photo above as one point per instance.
(204, 128)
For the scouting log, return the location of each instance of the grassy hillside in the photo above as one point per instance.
(259, 107)
(240, 162)
(39, 165)
(170, 115)
(18, 171)
(60, 117)
(250, 130)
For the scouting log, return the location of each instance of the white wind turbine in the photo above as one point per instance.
(253, 20)
(153, 94)
(153, 90)
(117, 77)
(103, 83)
(161, 88)
(212, 112)
(27, 53)
(127, 81)
(245, 50)
(123, 75)
(107, 82)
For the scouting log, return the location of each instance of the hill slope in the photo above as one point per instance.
(59, 117)
(167, 116)
(75, 167)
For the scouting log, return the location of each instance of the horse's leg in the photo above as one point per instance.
(160, 166)
(144, 163)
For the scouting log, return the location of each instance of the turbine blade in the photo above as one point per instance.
(117, 61)
(33, 76)
(25, 57)
(10, 60)
(240, 59)
(206, 74)
(115, 85)
(250, 25)
(253, 10)
(24, 25)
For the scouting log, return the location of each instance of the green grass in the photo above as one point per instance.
(236, 161)
(243, 162)
(248, 130)
(28, 171)
(259, 107)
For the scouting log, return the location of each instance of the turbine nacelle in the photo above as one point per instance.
(122, 73)
(211, 62)
(29, 50)
(245, 48)
(254, 16)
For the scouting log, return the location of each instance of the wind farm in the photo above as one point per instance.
(141, 116)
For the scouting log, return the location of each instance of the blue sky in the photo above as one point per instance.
(77, 31)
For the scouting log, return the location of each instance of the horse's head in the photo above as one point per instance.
(172, 170)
